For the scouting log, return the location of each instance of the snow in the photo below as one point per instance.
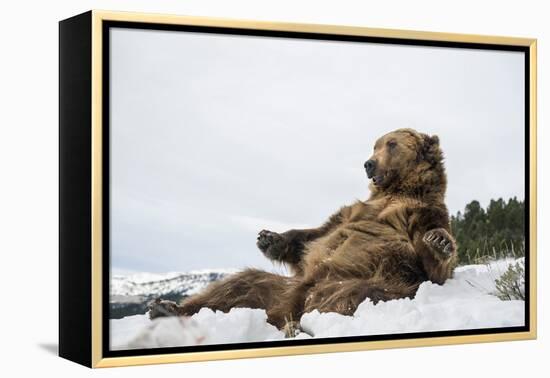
(466, 301)
(206, 327)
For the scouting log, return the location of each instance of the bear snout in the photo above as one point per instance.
(370, 167)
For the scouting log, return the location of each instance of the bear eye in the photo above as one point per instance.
(392, 144)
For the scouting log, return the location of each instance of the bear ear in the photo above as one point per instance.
(429, 148)
(430, 141)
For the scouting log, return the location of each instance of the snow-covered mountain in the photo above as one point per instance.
(130, 293)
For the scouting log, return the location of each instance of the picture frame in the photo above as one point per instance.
(87, 79)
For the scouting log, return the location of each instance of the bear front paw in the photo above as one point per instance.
(160, 308)
(271, 244)
(440, 241)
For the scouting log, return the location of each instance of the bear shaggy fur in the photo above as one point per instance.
(382, 248)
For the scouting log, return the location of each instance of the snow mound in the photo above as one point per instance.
(466, 301)
(239, 325)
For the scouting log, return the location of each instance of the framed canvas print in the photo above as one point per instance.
(234, 189)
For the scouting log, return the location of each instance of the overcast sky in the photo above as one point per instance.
(214, 138)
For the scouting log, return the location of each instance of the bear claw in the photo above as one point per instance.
(440, 241)
(270, 243)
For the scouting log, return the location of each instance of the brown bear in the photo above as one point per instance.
(382, 248)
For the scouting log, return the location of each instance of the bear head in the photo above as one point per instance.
(408, 162)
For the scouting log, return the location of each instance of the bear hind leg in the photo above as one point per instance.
(345, 296)
(250, 288)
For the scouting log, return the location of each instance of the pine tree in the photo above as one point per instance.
(494, 232)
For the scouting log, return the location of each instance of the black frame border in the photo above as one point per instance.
(107, 25)
(75, 181)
